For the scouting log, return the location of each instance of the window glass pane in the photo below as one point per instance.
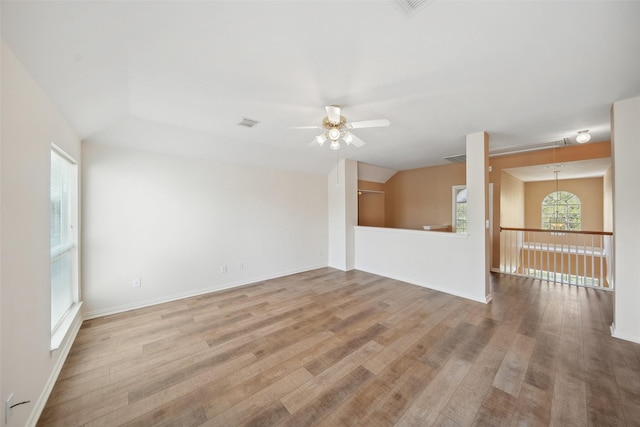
(61, 237)
(460, 194)
(61, 291)
(59, 207)
(561, 210)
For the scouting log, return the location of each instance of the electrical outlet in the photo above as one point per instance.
(223, 268)
(136, 283)
(8, 409)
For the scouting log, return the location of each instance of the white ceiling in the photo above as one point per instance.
(178, 76)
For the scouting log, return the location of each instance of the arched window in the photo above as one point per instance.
(561, 210)
(459, 209)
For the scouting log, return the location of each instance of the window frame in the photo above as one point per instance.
(63, 325)
(571, 225)
(455, 190)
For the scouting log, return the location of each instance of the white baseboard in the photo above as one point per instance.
(175, 297)
(623, 336)
(55, 372)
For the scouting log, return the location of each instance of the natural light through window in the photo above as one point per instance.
(561, 210)
(459, 196)
(63, 237)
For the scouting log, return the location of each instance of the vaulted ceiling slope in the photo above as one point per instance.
(178, 76)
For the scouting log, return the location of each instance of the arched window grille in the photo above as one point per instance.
(561, 210)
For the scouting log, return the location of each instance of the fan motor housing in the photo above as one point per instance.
(328, 125)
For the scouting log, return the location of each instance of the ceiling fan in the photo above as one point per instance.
(335, 127)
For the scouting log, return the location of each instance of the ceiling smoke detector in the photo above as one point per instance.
(248, 123)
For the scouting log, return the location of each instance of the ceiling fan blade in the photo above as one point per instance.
(333, 113)
(356, 142)
(369, 124)
(305, 127)
(313, 143)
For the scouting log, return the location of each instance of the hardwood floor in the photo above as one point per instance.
(331, 348)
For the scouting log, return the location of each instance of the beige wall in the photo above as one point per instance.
(511, 215)
(371, 205)
(422, 196)
(417, 197)
(512, 201)
(593, 150)
(588, 190)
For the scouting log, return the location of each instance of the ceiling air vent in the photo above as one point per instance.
(458, 158)
(411, 7)
(248, 123)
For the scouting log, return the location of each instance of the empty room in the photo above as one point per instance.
(331, 213)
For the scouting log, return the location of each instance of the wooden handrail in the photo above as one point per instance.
(596, 233)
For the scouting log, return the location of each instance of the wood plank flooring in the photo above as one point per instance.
(335, 348)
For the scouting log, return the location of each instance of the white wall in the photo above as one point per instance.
(342, 185)
(478, 259)
(447, 262)
(2, 396)
(426, 258)
(30, 123)
(173, 221)
(625, 143)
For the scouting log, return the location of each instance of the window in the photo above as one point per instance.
(63, 238)
(459, 220)
(561, 210)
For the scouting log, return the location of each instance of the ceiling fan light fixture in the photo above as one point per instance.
(334, 134)
(583, 136)
(335, 128)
